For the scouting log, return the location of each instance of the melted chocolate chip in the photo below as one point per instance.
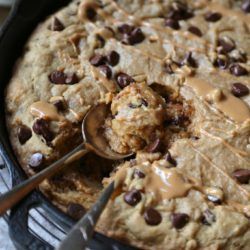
(132, 197)
(246, 6)
(222, 63)
(113, 58)
(56, 25)
(139, 174)
(227, 44)
(91, 13)
(106, 71)
(76, 211)
(242, 175)
(123, 80)
(174, 24)
(36, 161)
(239, 89)
(71, 79)
(179, 11)
(136, 36)
(208, 218)
(59, 77)
(152, 217)
(212, 16)
(170, 159)
(125, 28)
(179, 220)
(144, 102)
(24, 133)
(189, 60)
(97, 60)
(237, 70)
(155, 146)
(168, 69)
(214, 199)
(195, 30)
(60, 105)
(101, 41)
(41, 127)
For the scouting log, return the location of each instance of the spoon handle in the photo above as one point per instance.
(10, 198)
(81, 233)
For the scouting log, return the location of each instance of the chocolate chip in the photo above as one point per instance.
(174, 24)
(113, 58)
(139, 174)
(106, 71)
(144, 102)
(168, 68)
(208, 218)
(242, 175)
(60, 105)
(24, 133)
(195, 30)
(76, 211)
(91, 14)
(155, 146)
(136, 36)
(214, 199)
(237, 70)
(132, 197)
(179, 11)
(71, 78)
(222, 63)
(179, 220)
(36, 161)
(170, 159)
(239, 89)
(56, 25)
(59, 77)
(123, 80)
(227, 44)
(97, 60)
(189, 60)
(152, 217)
(212, 16)
(125, 28)
(101, 41)
(41, 127)
(246, 6)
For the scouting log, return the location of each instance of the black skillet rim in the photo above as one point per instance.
(16, 23)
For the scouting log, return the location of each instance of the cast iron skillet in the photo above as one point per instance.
(24, 17)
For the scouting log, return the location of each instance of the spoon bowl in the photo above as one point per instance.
(92, 130)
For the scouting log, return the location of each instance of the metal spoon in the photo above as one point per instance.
(93, 141)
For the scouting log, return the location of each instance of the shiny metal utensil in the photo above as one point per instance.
(93, 141)
(81, 233)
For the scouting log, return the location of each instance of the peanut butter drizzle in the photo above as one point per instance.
(230, 105)
(165, 183)
(243, 191)
(45, 110)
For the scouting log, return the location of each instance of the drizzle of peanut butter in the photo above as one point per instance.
(165, 183)
(45, 110)
(228, 104)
